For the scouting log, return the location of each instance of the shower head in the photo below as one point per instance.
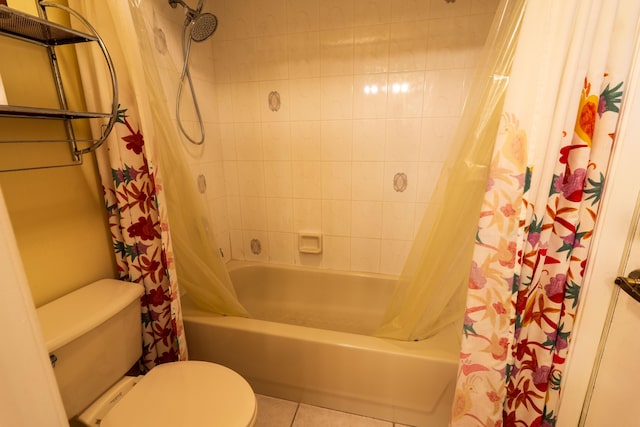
(203, 26)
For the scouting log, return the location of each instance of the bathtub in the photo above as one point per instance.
(308, 341)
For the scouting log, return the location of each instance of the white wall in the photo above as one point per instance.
(29, 394)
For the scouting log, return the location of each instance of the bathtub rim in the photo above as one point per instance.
(235, 264)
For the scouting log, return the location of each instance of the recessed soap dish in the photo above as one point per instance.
(310, 243)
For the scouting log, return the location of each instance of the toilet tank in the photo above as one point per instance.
(94, 336)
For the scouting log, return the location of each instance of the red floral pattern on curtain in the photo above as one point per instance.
(130, 194)
(546, 180)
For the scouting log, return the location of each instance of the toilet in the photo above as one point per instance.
(93, 338)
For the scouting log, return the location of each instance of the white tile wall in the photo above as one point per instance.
(368, 89)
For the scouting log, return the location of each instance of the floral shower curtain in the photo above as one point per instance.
(547, 173)
(140, 234)
(134, 190)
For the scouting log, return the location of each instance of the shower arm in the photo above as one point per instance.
(191, 13)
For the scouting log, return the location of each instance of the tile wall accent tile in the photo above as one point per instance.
(368, 89)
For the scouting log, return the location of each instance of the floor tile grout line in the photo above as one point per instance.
(293, 420)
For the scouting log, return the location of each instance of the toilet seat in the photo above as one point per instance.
(189, 393)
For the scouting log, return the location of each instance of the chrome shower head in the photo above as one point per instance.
(203, 26)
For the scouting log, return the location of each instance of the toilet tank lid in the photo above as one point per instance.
(72, 315)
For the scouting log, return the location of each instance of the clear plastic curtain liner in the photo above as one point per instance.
(431, 291)
(200, 269)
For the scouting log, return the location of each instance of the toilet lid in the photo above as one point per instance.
(186, 394)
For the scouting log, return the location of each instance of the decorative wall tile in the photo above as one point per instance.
(274, 101)
(400, 182)
(255, 246)
(202, 184)
(251, 240)
(410, 169)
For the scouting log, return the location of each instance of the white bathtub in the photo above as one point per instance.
(308, 342)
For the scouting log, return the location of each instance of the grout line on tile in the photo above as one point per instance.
(293, 420)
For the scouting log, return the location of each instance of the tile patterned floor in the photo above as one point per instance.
(274, 412)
